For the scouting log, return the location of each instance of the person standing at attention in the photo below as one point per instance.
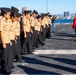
(53, 23)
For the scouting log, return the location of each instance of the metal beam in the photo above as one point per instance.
(46, 5)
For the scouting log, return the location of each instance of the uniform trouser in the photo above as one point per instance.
(16, 52)
(7, 56)
(19, 43)
(22, 38)
(75, 30)
(53, 27)
(18, 47)
(36, 39)
(44, 34)
(1, 48)
(49, 31)
(39, 39)
(33, 37)
(27, 44)
(46, 29)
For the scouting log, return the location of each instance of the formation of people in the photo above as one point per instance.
(21, 34)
